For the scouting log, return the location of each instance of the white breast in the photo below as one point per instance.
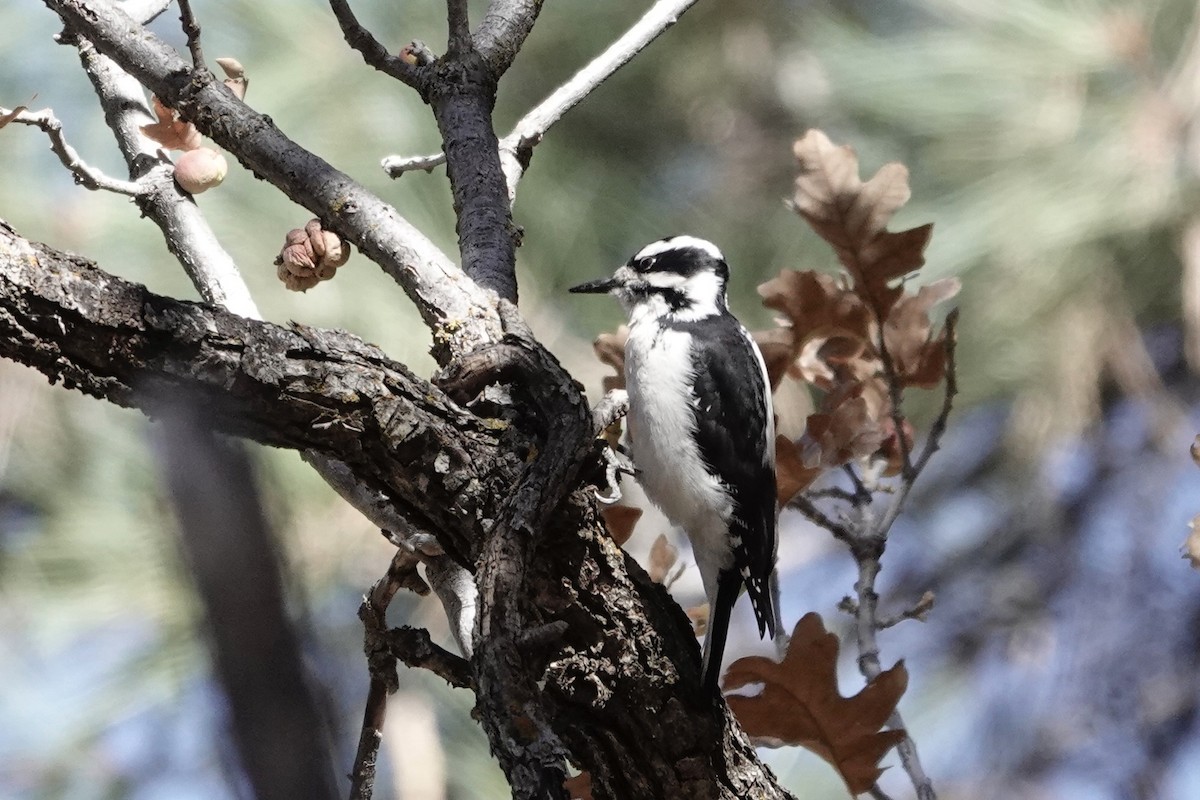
(659, 372)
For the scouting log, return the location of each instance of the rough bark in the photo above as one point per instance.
(295, 387)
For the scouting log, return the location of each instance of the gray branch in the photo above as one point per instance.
(87, 176)
(460, 314)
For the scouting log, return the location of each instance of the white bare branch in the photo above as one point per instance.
(85, 175)
(528, 132)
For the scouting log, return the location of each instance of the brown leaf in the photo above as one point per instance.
(663, 555)
(610, 349)
(846, 428)
(1196, 450)
(791, 476)
(579, 787)
(171, 132)
(620, 521)
(853, 216)
(800, 705)
(828, 323)
(919, 356)
(699, 617)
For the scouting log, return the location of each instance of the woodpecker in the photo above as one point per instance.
(701, 426)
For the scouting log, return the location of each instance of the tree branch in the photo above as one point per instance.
(372, 50)
(295, 387)
(192, 30)
(517, 146)
(460, 315)
(87, 176)
(459, 25)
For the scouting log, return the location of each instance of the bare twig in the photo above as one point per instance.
(818, 517)
(381, 665)
(192, 29)
(395, 166)
(414, 647)
(372, 50)
(516, 147)
(938, 429)
(918, 611)
(877, 793)
(85, 175)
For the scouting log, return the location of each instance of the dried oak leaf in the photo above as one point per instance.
(853, 216)
(170, 131)
(610, 349)
(620, 521)
(791, 475)
(663, 556)
(918, 355)
(579, 787)
(699, 617)
(1195, 450)
(845, 429)
(800, 705)
(829, 325)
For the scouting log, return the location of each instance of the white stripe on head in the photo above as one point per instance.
(679, 243)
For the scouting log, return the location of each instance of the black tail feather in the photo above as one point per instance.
(762, 597)
(729, 586)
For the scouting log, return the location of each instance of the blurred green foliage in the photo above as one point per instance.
(1051, 141)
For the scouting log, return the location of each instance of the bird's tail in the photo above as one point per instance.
(764, 598)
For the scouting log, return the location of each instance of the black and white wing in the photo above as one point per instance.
(736, 437)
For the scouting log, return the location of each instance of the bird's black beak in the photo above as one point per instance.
(601, 286)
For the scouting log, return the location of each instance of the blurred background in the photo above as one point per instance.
(1054, 143)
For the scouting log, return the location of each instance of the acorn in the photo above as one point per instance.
(200, 169)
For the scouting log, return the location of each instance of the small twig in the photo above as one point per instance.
(834, 492)
(862, 495)
(818, 517)
(517, 146)
(919, 611)
(459, 25)
(85, 175)
(382, 667)
(371, 49)
(192, 29)
(938, 429)
(877, 793)
(395, 166)
(414, 647)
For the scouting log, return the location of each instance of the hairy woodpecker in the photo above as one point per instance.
(701, 424)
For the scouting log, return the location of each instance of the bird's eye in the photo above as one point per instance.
(647, 264)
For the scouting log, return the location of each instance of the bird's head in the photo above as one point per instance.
(680, 276)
